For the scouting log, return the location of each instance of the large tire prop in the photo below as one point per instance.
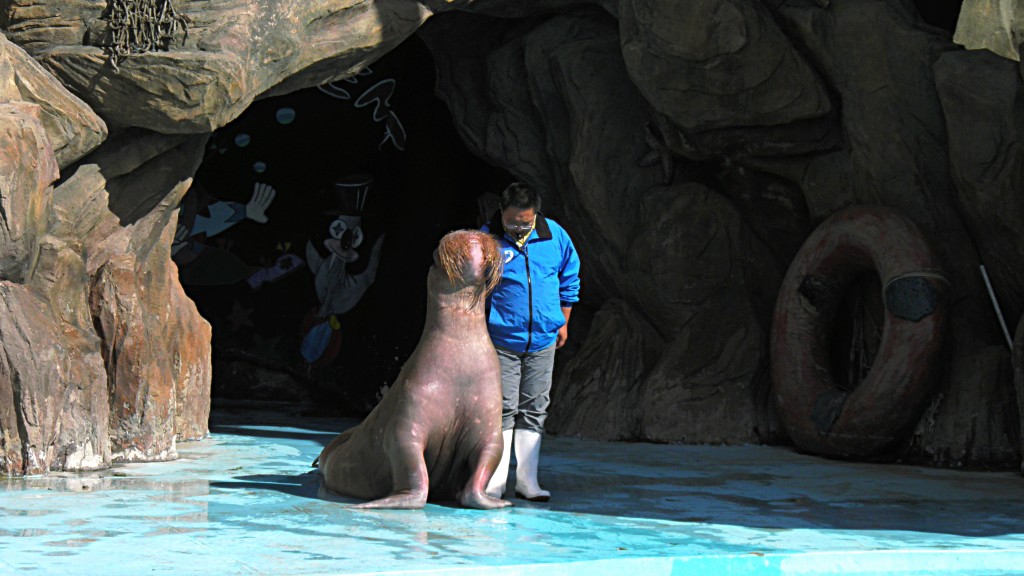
(818, 416)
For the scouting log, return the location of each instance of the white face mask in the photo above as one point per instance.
(519, 229)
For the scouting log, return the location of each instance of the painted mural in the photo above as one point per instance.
(276, 272)
(309, 213)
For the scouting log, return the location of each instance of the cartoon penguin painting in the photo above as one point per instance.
(337, 290)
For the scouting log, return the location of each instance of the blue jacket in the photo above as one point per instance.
(524, 312)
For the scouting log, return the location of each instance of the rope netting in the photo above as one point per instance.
(138, 26)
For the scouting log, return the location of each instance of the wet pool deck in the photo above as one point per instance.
(245, 502)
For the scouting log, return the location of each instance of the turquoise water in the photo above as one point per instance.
(245, 501)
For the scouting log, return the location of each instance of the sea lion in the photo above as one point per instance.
(437, 431)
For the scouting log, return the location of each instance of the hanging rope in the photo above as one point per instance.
(138, 26)
(859, 362)
(865, 335)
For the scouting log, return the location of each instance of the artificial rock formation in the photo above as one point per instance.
(995, 25)
(53, 393)
(786, 112)
(689, 149)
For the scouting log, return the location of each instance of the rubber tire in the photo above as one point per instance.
(816, 414)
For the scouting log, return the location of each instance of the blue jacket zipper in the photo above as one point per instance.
(529, 295)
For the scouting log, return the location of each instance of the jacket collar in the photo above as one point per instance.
(541, 228)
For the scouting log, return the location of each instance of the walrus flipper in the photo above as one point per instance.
(404, 500)
(483, 464)
(409, 478)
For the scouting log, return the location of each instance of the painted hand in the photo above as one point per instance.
(180, 239)
(262, 196)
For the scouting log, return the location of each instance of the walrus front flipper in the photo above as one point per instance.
(481, 501)
(483, 464)
(409, 478)
(405, 500)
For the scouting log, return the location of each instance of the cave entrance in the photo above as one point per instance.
(941, 13)
(277, 234)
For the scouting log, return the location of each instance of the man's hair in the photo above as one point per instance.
(519, 195)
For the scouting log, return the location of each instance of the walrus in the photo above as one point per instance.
(436, 433)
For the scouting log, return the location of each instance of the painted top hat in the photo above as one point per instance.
(347, 195)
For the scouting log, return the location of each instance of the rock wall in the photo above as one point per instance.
(105, 358)
(690, 148)
(748, 123)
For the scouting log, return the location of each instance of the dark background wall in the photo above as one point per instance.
(418, 194)
(424, 185)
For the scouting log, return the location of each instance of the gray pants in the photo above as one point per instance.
(525, 388)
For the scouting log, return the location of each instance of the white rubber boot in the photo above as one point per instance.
(496, 485)
(527, 445)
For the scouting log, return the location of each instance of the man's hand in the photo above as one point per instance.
(262, 196)
(562, 337)
(563, 333)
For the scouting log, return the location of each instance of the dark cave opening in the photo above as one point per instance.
(378, 152)
(941, 13)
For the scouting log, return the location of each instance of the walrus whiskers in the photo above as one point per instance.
(454, 252)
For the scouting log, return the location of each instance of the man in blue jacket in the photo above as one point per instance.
(528, 319)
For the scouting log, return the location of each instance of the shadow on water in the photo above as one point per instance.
(746, 486)
(307, 485)
(321, 437)
(301, 485)
(237, 414)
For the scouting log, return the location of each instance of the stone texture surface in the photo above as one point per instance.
(717, 63)
(555, 105)
(697, 271)
(121, 202)
(688, 147)
(620, 350)
(234, 50)
(52, 383)
(995, 25)
(104, 356)
(896, 154)
(680, 256)
(27, 167)
(72, 127)
(981, 95)
(53, 394)
(1018, 382)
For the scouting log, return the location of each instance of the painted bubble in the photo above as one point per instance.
(242, 140)
(259, 167)
(285, 115)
